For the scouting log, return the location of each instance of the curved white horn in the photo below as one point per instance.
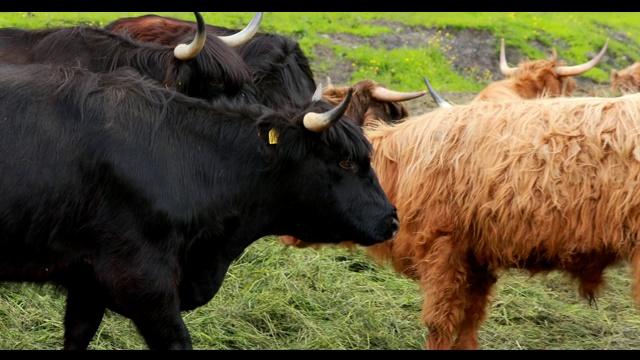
(579, 69)
(321, 122)
(189, 51)
(383, 94)
(504, 68)
(245, 34)
(436, 97)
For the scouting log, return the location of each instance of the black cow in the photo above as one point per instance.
(127, 195)
(280, 69)
(200, 65)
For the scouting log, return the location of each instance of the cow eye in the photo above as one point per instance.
(348, 165)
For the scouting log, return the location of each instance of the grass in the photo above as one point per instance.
(576, 34)
(282, 298)
(276, 297)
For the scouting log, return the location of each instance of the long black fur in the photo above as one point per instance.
(136, 198)
(217, 71)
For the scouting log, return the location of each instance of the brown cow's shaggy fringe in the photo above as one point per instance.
(626, 80)
(539, 185)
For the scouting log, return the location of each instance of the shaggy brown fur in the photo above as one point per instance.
(626, 80)
(533, 79)
(538, 185)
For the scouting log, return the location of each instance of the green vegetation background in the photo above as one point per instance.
(282, 298)
(402, 68)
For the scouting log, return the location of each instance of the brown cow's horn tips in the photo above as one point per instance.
(504, 68)
(582, 68)
(436, 97)
(383, 94)
(317, 95)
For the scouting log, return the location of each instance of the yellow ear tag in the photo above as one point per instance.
(273, 136)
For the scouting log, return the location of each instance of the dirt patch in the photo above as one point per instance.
(470, 49)
(473, 53)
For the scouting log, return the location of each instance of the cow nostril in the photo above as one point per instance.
(395, 225)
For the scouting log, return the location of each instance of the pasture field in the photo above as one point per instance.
(456, 51)
(275, 297)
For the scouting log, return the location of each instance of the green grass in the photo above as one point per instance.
(275, 297)
(283, 298)
(402, 69)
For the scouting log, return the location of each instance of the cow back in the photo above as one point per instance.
(217, 71)
(279, 67)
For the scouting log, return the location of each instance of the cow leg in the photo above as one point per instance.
(83, 315)
(481, 284)
(635, 275)
(591, 283)
(443, 279)
(153, 306)
(159, 322)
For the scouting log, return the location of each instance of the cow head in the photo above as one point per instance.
(204, 65)
(626, 80)
(333, 173)
(170, 31)
(532, 79)
(371, 101)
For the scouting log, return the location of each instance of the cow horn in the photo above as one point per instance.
(380, 93)
(436, 97)
(321, 122)
(504, 68)
(317, 95)
(245, 34)
(579, 69)
(189, 51)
